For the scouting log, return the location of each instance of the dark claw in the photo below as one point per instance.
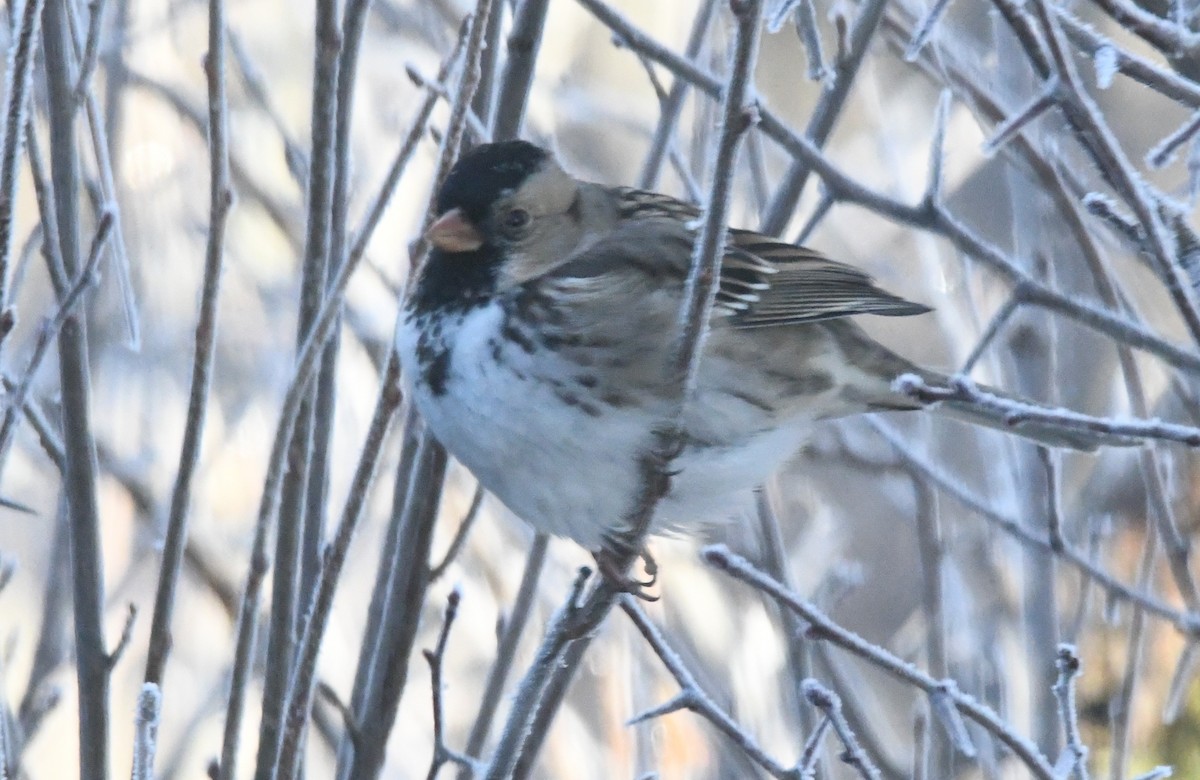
(606, 562)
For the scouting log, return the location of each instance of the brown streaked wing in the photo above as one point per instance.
(767, 282)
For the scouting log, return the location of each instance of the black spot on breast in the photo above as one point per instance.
(511, 331)
(433, 357)
(437, 371)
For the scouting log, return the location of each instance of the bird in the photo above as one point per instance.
(535, 341)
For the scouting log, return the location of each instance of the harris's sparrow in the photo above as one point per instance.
(536, 341)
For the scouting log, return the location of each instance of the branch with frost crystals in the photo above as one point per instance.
(435, 658)
(821, 627)
(830, 703)
(149, 708)
(1097, 138)
(843, 188)
(220, 204)
(1068, 665)
(963, 390)
(693, 697)
(20, 78)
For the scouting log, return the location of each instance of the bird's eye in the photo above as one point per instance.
(516, 220)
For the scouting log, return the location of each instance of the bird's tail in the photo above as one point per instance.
(895, 383)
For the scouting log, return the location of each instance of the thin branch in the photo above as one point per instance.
(1166, 82)
(145, 741)
(92, 668)
(925, 28)
(220, 203)
(524, 41)
(829, 703)
(50, 331)
(1161, 153)
(668, 115)
(1018, 413)
(460, 535)
(994, 327)
(19, 80)
(506, 650)
(91, 50)
(300, 689)
(1044, 100)
(825, 629)
(540, 674)
(1171, 39)
(436, 658)
(692, 697)
(107, 187)
(1068, 665)
(825, 113)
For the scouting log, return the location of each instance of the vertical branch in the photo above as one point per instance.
(506, 649)
(287, 603)
(247, 626)
(523, 44)
(1068, 666)
(299, 698)
(19, 74)
(406, 585)
(354, 17)
(553, 671)
(220, 201)
(1121, 705)
(91, 49)
(668, 116)
(92, 662)
(401, 579)
(825, 115)
(149, 708)
(383, 667)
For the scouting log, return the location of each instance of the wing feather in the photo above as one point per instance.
(764, 281)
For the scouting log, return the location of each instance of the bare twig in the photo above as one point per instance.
(523, 44)
(92, 667)
(49, 332)
(220, 202)
(460, 535)
(829, 703)
(821, 627)
(506, 650)
(91, 50)
(1019, 412)
(19, 79)
(436, 658)
(692, 697)
(149, 708)
(300, 688)
(1068, 665)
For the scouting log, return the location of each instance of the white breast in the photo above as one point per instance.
(563, 470)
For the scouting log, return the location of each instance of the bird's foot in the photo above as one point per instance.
(608, 561)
